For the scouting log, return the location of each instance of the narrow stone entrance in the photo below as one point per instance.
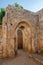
(20, 39)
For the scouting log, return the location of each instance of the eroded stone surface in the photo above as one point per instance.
(31, 26)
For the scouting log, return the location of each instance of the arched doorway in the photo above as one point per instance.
(23, 36)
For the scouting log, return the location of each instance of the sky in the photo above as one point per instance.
(32, 5)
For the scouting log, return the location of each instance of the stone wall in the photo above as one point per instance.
(40, 37)
(1, 48)
(0, 29)
(33, 31)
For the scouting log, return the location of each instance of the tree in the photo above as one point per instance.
(19, 6)
(2, 14)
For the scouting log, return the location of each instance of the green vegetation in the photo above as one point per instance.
(19, 6)
(2, 14)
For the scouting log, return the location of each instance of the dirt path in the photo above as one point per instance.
(21, 59)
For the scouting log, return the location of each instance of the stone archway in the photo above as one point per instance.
(27, 36)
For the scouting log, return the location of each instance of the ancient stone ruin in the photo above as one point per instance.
(21, 29)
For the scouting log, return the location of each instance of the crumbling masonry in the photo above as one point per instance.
(21, 29)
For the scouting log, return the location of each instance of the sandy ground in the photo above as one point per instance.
(21, 59)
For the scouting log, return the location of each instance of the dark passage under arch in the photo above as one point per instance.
(20, 39)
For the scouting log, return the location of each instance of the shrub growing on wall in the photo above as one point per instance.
(18, 5)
